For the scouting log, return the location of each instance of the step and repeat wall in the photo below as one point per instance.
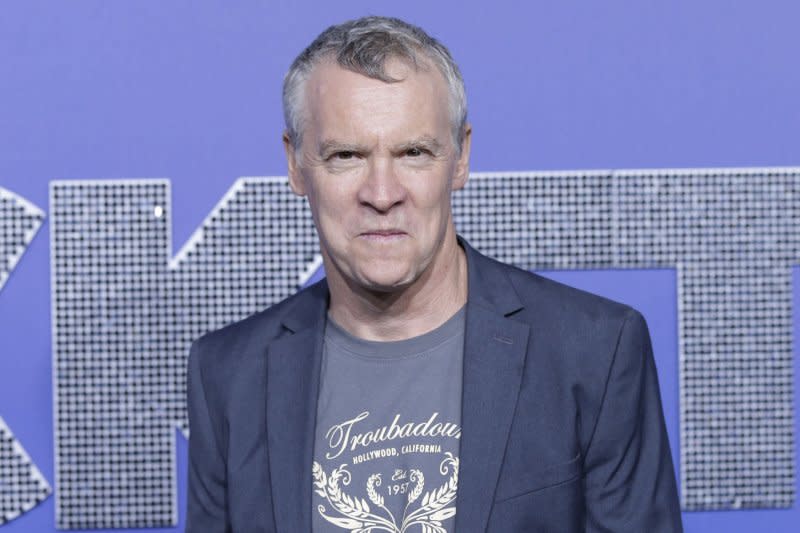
(143, 202)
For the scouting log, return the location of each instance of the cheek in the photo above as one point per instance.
(435, 203)
(331, 213)
(321, 196)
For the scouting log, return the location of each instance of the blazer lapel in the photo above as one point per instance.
(293, 373)
(494, 358)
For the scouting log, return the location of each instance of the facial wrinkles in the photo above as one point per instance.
(366, 125)
(376, 122)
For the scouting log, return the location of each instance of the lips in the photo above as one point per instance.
(383, 234)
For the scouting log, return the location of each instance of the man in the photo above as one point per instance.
(422, 386)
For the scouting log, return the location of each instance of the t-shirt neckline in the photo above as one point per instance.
(453, 327)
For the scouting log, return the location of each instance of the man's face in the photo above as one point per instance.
(377, 162)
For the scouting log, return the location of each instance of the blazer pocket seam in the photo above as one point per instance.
(572, 467)
(539, 489)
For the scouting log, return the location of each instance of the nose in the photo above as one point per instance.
(382, 189)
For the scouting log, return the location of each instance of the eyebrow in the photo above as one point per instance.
(331, 146)
(427, 142)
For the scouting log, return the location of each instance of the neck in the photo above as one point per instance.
(414, 310)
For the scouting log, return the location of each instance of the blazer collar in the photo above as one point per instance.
(308, 309)
(488, 283)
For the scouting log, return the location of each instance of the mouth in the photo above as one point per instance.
(383, 235)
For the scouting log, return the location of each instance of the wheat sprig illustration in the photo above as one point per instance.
(357, 516)
(358, 519)
(373, 481)
(419, 478)
(433, 510)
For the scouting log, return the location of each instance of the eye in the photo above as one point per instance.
(414, 152)
(344, 155)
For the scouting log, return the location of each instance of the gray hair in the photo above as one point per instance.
(363, 46)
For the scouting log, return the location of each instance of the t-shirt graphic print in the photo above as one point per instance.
(388, 432)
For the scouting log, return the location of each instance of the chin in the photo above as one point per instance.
(386, 281)
(384, 285)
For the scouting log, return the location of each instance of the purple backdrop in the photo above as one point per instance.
(190, 90)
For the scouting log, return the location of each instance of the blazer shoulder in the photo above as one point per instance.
(225, 345)
(581, 331)
(567, 303)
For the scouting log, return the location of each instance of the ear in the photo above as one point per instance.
(296, 182)
(462, 166)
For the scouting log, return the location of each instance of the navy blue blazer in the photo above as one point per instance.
(562, 428)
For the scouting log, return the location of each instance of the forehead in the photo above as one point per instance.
(342, 99)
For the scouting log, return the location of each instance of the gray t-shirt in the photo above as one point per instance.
(388, 429)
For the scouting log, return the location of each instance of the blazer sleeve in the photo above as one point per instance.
(206, 500)
(630, 482)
